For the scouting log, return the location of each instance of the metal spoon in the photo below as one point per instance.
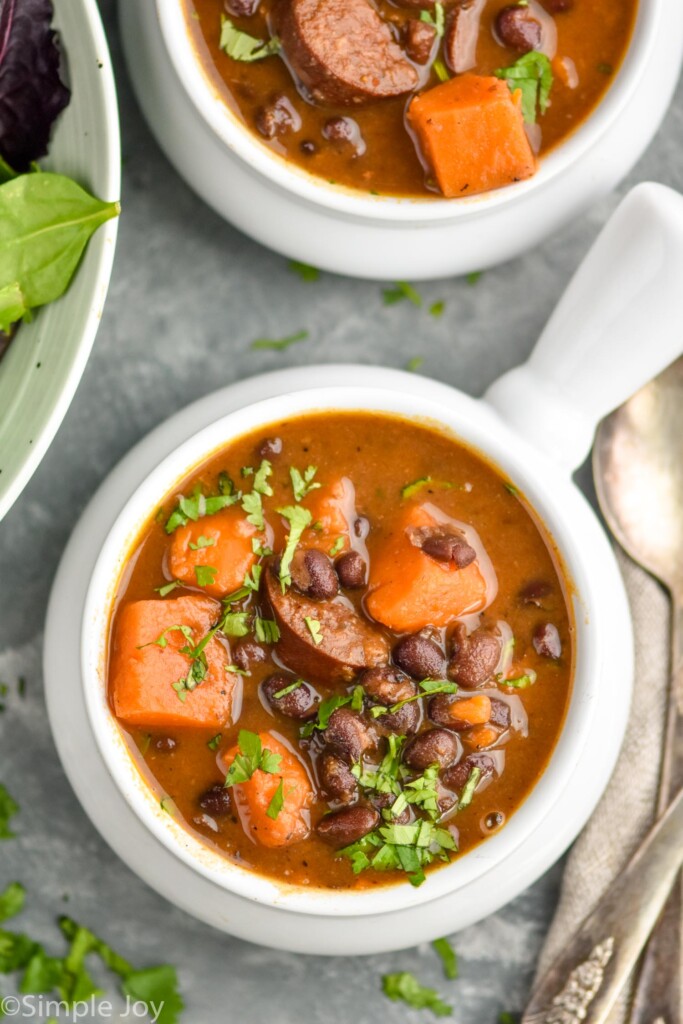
(638, 469)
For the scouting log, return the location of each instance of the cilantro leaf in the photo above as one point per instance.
(410, 490)
(427, 686)
(469, 788)
(402, 290)
(157, 987)
(198, 504)
(288, 689)
(279, 344)
(521, 682)
(448, 957)
(303, 484)
(405, 987)
(253, 507)
(202, 542)
(12, 900)
(215, 742)
(168, 588)
(325, 711)
(205, 575)
(241, 46)
(337, 546)
(277, 802)
(8, 808)
(250, 758)
(437, 19)
(298, 518)
(304, 270)
(313, 627)
(414, 364)
(436, 309)
(532, 74)
(261, 478)
(266, 631)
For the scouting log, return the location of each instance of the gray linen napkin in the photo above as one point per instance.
(627, 809)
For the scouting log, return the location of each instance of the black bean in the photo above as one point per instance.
(447, 547)
(474, 657)
(500, 713)
(341, 828)
(277, 118)
(386, 685)
(419, 657)
(352, 570)
(534, 592)
(215, 801)
(403, 722)
(270, 448)
(299, 703)
(419, 39)
(518, 29)
(336, 779)
(313, 574)
(242, 8)
(546, 641)
(435, 746)
(165, 744)
(457, 776)
(349, 734)
(248, 653)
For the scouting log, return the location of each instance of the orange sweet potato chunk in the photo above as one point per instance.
(333, 511)
(229, 550)
(471, 132)
(143, 673)
(408, 590)
(253, 798)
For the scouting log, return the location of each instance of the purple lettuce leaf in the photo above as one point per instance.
(32, 94)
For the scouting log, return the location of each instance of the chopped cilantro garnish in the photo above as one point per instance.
(266, 631)
(522, 682)
(261, 475)
(167, 804)
(402, 290)
(250, 757)
(533, 75)
(469, 788)
(241, 46)
(437, 19)
(337, 546)
(253, 507)
(385, 778)
(304, 270)
(410, 490)
(215, 742)
(448, 957)
(202, 542)
(279, 344)
(288, 689)
(198, 504)
(313, 627)
(168, 588)
(303, 484)
(259, 549)
(162, 641)
(298, 518)
(414, 364)
(252, 580)
(205, 575)
(277, 802)
(324, 712)
(236, 670)
(511, 489)
(234, 624)
(423, 792)
(440, 70)
(405, 987)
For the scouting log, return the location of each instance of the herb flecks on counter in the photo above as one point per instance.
(8, 808)
(280, 344)
(400, 291)
(405, 987)
(448, 957)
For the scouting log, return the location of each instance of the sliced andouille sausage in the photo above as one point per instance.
(147, 665)
(342, 646)
(462, 35)
(342, 51)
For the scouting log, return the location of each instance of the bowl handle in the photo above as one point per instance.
(619, 323)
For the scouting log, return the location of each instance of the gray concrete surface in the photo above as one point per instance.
(188, 295)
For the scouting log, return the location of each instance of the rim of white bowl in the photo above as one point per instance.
(473, 423)
(231, 130)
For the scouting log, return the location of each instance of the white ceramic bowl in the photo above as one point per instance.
(561, 400)
(43, 365)
(341, 230)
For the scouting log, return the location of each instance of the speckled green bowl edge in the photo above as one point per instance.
(42, 367)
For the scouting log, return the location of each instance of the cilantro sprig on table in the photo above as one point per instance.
(8, 808)
(69, 975)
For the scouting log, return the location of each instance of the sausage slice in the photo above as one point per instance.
(342, 51)
(347, 644)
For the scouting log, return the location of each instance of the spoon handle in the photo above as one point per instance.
(583, 984)
(659, 988)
